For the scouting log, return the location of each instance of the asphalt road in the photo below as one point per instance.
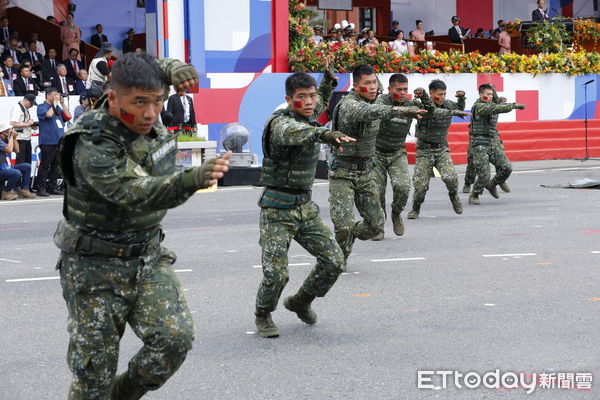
(509, 285)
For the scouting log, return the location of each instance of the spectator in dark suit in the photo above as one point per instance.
(40, 47)
(34, 77)
(98, 38)
(182, 108)
(24, 83)
(73, 64)
(5, 31)
(82, 77)
(9, 70)
(49, 65)
(34, 57)
(13, 51)
(539, 14)
(456, 33)
(60, 81)
(395, 29)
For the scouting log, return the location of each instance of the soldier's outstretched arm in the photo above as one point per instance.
(325, 90)
(121, 181)
(289, 132)
(178, 73)
(491, 108)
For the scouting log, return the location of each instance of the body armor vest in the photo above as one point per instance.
(290, 167)
(435, 130)
(143, 157)
(365, 132)
(392, 133)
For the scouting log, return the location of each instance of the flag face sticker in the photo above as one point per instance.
(127, 117)
(364, 89)
(297, 104)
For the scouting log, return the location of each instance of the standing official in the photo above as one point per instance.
(486, 146)
(291, 144)
(21, 120)
(119, 168)
(432, 147)
(352, 176)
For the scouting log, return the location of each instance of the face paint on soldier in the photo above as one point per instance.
(303, 101)
(486, 95)
(366, 87)
(137, 109)
(438, 96)
(399, 91)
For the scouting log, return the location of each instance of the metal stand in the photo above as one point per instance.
(585, 122)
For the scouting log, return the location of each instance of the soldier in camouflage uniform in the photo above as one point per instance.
(470, 175)
(486, 146)
(432, 146)
(352, 177)
(291, 145)
(119, 168)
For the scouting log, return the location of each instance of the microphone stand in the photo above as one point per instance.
(585, 122)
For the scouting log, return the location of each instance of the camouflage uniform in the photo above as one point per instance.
(352, 176)
(112, 266)
(486, 145)
(433, 151)
(391, 156)
(291, 147)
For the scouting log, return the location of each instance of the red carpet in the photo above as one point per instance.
(527, 141)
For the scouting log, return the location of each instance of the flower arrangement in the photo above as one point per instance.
(513, 26)
(585, 30)
(548, 37)
(300, 30)
(342, 57)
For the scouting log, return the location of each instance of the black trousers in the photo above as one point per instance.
(48, 172)
(24, 154)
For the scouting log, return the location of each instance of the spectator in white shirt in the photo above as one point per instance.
(399, 45)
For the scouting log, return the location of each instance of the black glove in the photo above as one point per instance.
(202, 174)
(330, 77)
(182, 72)
(519, 106)
(330, 137)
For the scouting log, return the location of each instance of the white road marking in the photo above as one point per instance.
(231, 251)
(56, 200)
(250, 333)
(289, 265)
(595, 252)
(10, 261)
(351, 273)
(509, 255)
(489, 304)
(51, 278)
(399, 259)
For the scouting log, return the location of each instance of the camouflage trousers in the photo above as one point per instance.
(278, 226)
(470, 174)
(349, 188)
(426, 160)
(105, 294)
(482, 157)
(394, 164)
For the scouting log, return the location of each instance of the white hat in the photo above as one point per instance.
(351, 26)
(337, 26)
(5, 125)
(344, 24)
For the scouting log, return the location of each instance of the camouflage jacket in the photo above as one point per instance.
(435, 129)
(484, 119)
(392, 133)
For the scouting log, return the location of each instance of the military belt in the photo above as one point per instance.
(382, 150)
(357, 164)
(277, 197)
(289, 190)
(72, 240)
(422, 144)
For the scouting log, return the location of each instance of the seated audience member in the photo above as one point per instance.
(9, 177)
(49, 65)
(25, 83)
(15, 35)
(456, 33)
(351, 36)
(13, 52)
(34, 77)
(84, 105)
(480, 34)
(9, 70)
(371, 37)
(399, 45)
(364, 37)
(504, 42)
(496, 31)
(317, 37)
(82, 78)
(98, 38)
(34, 57)
(62, 82)
(395, 29)
(50, 18)
(73, 64)
(39, 45)
(21, 120)
(5, 32)
(418, 34)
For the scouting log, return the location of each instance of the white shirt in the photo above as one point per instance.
(186, 108)
(400, 47)
(458, 30)
(317, 38)
(543, 12)
(40, 48)
(17, 115)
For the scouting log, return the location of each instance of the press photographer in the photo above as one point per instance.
(21, 120)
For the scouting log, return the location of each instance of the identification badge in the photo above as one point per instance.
(14, 76)
(33, 75)
(70, 88)
(30, 86)
(59, 124)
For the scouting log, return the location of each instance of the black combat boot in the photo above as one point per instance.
(466, 188)
(474, 198)
(505, 188)
(265, 325)
(398, 224)
(125, 388)
(491, 187)
(300, 304)
(456, 204)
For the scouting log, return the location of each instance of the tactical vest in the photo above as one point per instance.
(290, 167)
(435, 130)
(483, 127)
(365, 132)
(82, 205)
(392, 133)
